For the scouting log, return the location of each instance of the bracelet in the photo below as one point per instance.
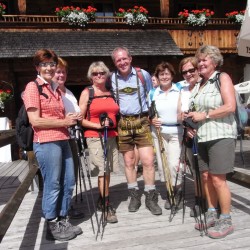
(207, 116)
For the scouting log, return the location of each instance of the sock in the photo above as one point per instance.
(54, 219)
(225, 216)
(133, 185)
(148, 188)
(61, 218)
(212, 209)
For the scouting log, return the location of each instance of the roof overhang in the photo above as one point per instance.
(88, 43)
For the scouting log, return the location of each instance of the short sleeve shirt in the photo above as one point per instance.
(129, 93)
(51, 108)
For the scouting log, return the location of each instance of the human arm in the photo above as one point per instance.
(39, 122)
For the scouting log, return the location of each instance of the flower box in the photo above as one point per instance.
(136, 15)
(76, 15)
(196, 17)
(236, 16)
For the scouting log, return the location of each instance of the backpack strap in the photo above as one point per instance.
(92, 96)
(40, 89)
(139, 75)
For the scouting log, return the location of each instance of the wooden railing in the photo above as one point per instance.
(108, 19)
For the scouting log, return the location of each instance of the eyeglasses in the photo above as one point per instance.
(46, 64)
(188, 71)
(102, 73)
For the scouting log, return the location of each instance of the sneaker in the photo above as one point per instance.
(111, 216)
(151, 202)
(56, 230)
(211, 217)
(135, 200)
(69, 227)
(222, 228)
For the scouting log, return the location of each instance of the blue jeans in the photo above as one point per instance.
(57, 168)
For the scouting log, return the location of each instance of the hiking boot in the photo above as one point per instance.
(135, 200)
(111, 216)
(151, 202)
(69, 227)
(222, 228)
(56, 230)
(211, 217)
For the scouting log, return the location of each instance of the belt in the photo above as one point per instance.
(132, 117)
(172, 125)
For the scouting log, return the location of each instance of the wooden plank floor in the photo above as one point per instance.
(139, 230)
(11, 175)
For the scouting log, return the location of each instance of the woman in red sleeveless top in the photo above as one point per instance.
(102, 105)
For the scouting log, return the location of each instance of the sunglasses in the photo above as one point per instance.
(102, 73)
(46, 64)
(188, 71)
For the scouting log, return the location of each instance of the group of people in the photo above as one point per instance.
(118, 106)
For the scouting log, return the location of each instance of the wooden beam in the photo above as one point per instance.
(7, 137)
(164, 8)
(22, 7)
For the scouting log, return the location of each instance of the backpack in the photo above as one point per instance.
(24, 130)
(241, 115)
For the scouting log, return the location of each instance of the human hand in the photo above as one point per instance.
(191, 132)
(70, 119)
(197, 116)
(156, 122)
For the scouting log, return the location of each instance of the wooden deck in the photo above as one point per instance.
(11, 175)
(139, 230)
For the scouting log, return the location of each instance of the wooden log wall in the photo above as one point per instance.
(189, 40)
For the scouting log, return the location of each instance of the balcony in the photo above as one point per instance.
(11, 21)
(220, 32)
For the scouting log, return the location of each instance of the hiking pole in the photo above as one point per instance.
(83, 179)
(103, 121)
(105, 138)
(202, 225)
(184, 182)
(79, 170)
(174, 209)
(166, 171)
(241, 151)
(78, 128)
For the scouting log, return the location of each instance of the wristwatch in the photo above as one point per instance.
(207, 116)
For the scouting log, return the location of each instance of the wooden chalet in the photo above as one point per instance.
(30, 25)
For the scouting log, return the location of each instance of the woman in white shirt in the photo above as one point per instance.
(168, 107)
